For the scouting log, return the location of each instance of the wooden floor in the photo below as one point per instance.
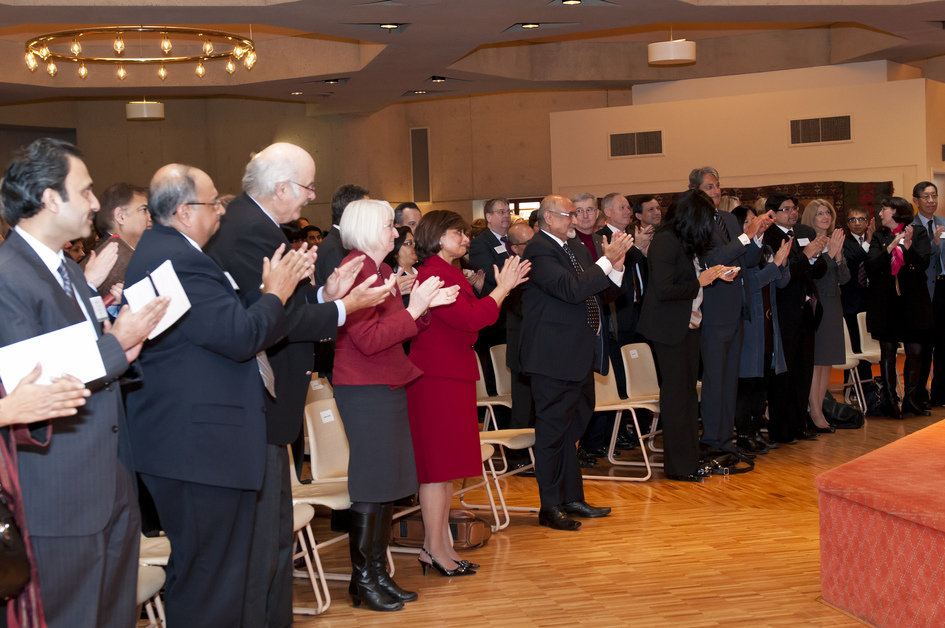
(739, 551)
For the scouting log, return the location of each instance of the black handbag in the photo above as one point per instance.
(14, 563)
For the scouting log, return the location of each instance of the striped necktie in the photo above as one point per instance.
(593, 309)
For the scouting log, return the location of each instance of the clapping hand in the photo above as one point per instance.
(725, 273)
(781, 256)
(816, 247)
(616, 249)
(100, 264)
(513, 273)
(340, 281)
(835, 244)
(405, 282)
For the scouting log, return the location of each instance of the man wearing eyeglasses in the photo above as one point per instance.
(561, 347)
(198, 419)
(277, 183)
(854, 294)
(124, 216)
(925, 197)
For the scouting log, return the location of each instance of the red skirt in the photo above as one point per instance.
(444, 426)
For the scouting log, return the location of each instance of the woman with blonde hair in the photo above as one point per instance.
(829, 347)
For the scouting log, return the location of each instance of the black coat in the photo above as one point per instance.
(903, 314)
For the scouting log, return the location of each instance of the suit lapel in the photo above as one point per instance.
(64, 305)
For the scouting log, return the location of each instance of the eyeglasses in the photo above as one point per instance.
(819, 214)
(310, 189)
(519, 243)
(501, 213)
(568, 215)
(856, 219)
(786, 209)
(215, 201)
(929, 197)
(411, 243)
(586, 212)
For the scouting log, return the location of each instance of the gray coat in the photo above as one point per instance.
(770, 278)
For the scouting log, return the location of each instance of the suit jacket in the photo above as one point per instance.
(793, 299)
(68, 481)
(936, 252)
(667, 303)
(246, 235)
(623, 310)
(724, 301)
(556, 340)
(483, 254)
(330, 255)
(444, 348)
(199, 414)
(853, 295)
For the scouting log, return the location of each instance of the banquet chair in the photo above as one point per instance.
(150, 582)
(302, 515)
(483, 399)
(851, 364)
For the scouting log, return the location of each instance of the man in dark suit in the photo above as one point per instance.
(331, 251)
(248, 232)
(198, 419)
(523, 406)
(854, 294)
(798, 315)
(723, 307)
(925, 197)
(75, 474)
(485, 250)
(561, 347)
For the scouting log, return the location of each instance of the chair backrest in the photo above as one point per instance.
(328, 445)
(503, 375)
(640, 368)
(481, 393)
(605, 388)
(851, 362)
(319, 388)
(867, 344)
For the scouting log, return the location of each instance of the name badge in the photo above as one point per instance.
(98, 307)
(803, 241)
(232, 281)
(500, 249)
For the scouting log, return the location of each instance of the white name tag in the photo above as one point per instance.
(327, 416)
(232, 281)
(98, 306)
(500, 249)
(803, 241)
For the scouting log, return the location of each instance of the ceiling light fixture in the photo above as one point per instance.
(296, 93)
(143, 110)
(437, 79)
(530, 25)
(390, 26)
(570, 1)
(214, 45)
(672, 52)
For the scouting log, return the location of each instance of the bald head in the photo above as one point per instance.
(184, 197)
(519, 234)
(281, 178)
(556, 216)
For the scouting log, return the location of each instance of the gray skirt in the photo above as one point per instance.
(381, 466)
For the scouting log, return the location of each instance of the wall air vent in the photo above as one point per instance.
(629, 144)
(819, 130)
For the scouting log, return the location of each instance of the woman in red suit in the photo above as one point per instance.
(370, 373)
(443, 418)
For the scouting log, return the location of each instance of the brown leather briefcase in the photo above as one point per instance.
(468, 530)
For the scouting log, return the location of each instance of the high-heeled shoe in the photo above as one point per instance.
(465, 564)
(813, 427)
(449, 573)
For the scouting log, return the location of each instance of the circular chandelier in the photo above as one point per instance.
(66, 47)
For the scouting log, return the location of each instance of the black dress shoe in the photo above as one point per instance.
(925, 405)
(805, 435)
(585, 460)
(625, 442)
(910, 407)
(600, 452)
(790, 440)
(747, 446)
(583, 509)
(812, 427)
(557, 519)
(692, 477)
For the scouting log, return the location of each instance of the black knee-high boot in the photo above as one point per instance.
(890, 401)
(911, 375)
(381, 539)
(364, 587)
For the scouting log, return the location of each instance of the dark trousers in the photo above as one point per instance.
(934, 351)
(209, 528)
(562, 411)
(789, 391)
(91, 581)
(751, 400)
(268, 599)
(721, 353)
(679, 404)
(523, 405)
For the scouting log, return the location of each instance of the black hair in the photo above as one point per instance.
(690, 216)
(347, 193)
(41, 165)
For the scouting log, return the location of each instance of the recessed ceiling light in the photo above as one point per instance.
(420, 91)
(332, 81)
(389, 26)
(296, 93)
(438, 79)
(570, 1)
(530, 25)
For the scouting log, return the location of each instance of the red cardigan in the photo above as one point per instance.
(445, 347)
(369, 348)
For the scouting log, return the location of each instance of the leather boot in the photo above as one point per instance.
(890, 402)
(381, 539)
(911, 375)
(364, 587)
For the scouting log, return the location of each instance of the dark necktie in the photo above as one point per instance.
(593, 309)
(505, 242)
(67, 286)
(721, 223)
(790, 233)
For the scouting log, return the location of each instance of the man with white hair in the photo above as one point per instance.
(278, 181)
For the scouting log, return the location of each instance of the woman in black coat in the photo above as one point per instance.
(900, 309)
(671, 318)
